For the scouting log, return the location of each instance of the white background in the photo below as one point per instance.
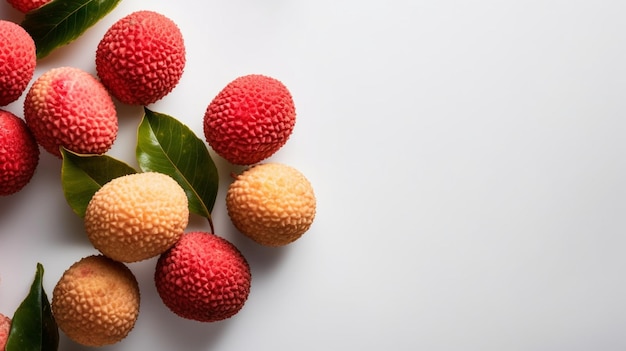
(468, 159)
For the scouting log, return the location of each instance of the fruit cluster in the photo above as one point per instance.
(198, 275)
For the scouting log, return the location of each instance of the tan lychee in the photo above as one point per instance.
(141, 57)
(137, 216)
(272, 203)
(18, 59)
(203, 277)
(96, 301)
(69, 107)
(19, 154)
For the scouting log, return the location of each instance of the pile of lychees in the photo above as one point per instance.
(198, 275)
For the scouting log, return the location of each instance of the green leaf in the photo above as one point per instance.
(33, 326)
(167, 146)
(82, 175)
(60, 22)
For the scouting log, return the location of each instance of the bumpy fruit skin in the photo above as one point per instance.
(136, 217)
(203, 277)
(69, 107)
(96, 301)
(17, 61)
(27, 5)
(19, 154)
(250, 119)
(5, 328)
(141, 57)
(273, 204)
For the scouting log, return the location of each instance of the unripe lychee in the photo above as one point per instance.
(141, 57)
(27, 5)
(250, 119)
(18, 59)
(137, 216)
(5, 328)
(69, 107)
(203, 277)
(273, 204)
(19, 154)
(96, 301)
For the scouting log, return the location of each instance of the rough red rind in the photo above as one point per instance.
(18, 59)
(27, 5)
(203, 277)
(141, 57)
(250, 119)
(69, 107)
(5, 328)
(19, 154)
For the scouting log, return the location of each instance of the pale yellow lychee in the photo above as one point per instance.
(272, 203)
(137, 216)
(96, 301)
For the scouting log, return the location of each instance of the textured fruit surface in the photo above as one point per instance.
(19, 154)
(69, 107)
(141, 57)
(96, 301)
(27, 5)
(17, 61)
(5, 327)
(250, 119)
(136, 217)
(273, 204)
(203, 277)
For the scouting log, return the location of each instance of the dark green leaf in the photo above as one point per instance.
(83, 175)
(62, 21)
(33, 327)
(167, 146)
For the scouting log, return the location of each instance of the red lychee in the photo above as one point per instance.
(19, 153)
(17, 61)
(250, 119)
(27, 5)
(5, 328)
(203, 277)
(69, 107)
(141, 57)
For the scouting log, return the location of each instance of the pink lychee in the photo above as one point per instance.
(17, 61)
(27, 5)
(141, 57)
(5, 328)
(203, 277)
(69, 107)
(19, 154)
(250, 119)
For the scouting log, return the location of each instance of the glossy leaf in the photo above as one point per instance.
(60, 22)
(167, 146)
(33, 327)
(82, 175)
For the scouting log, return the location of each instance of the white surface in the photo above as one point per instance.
(468, 158)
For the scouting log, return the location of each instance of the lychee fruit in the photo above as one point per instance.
(203, 277)
(27, 5)
(250, 119)
(137, 216)
(273, 204)
(69, 107)
(18, 59)
(19, 154)
(141, 57)
(96, 301)
(5, 328)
